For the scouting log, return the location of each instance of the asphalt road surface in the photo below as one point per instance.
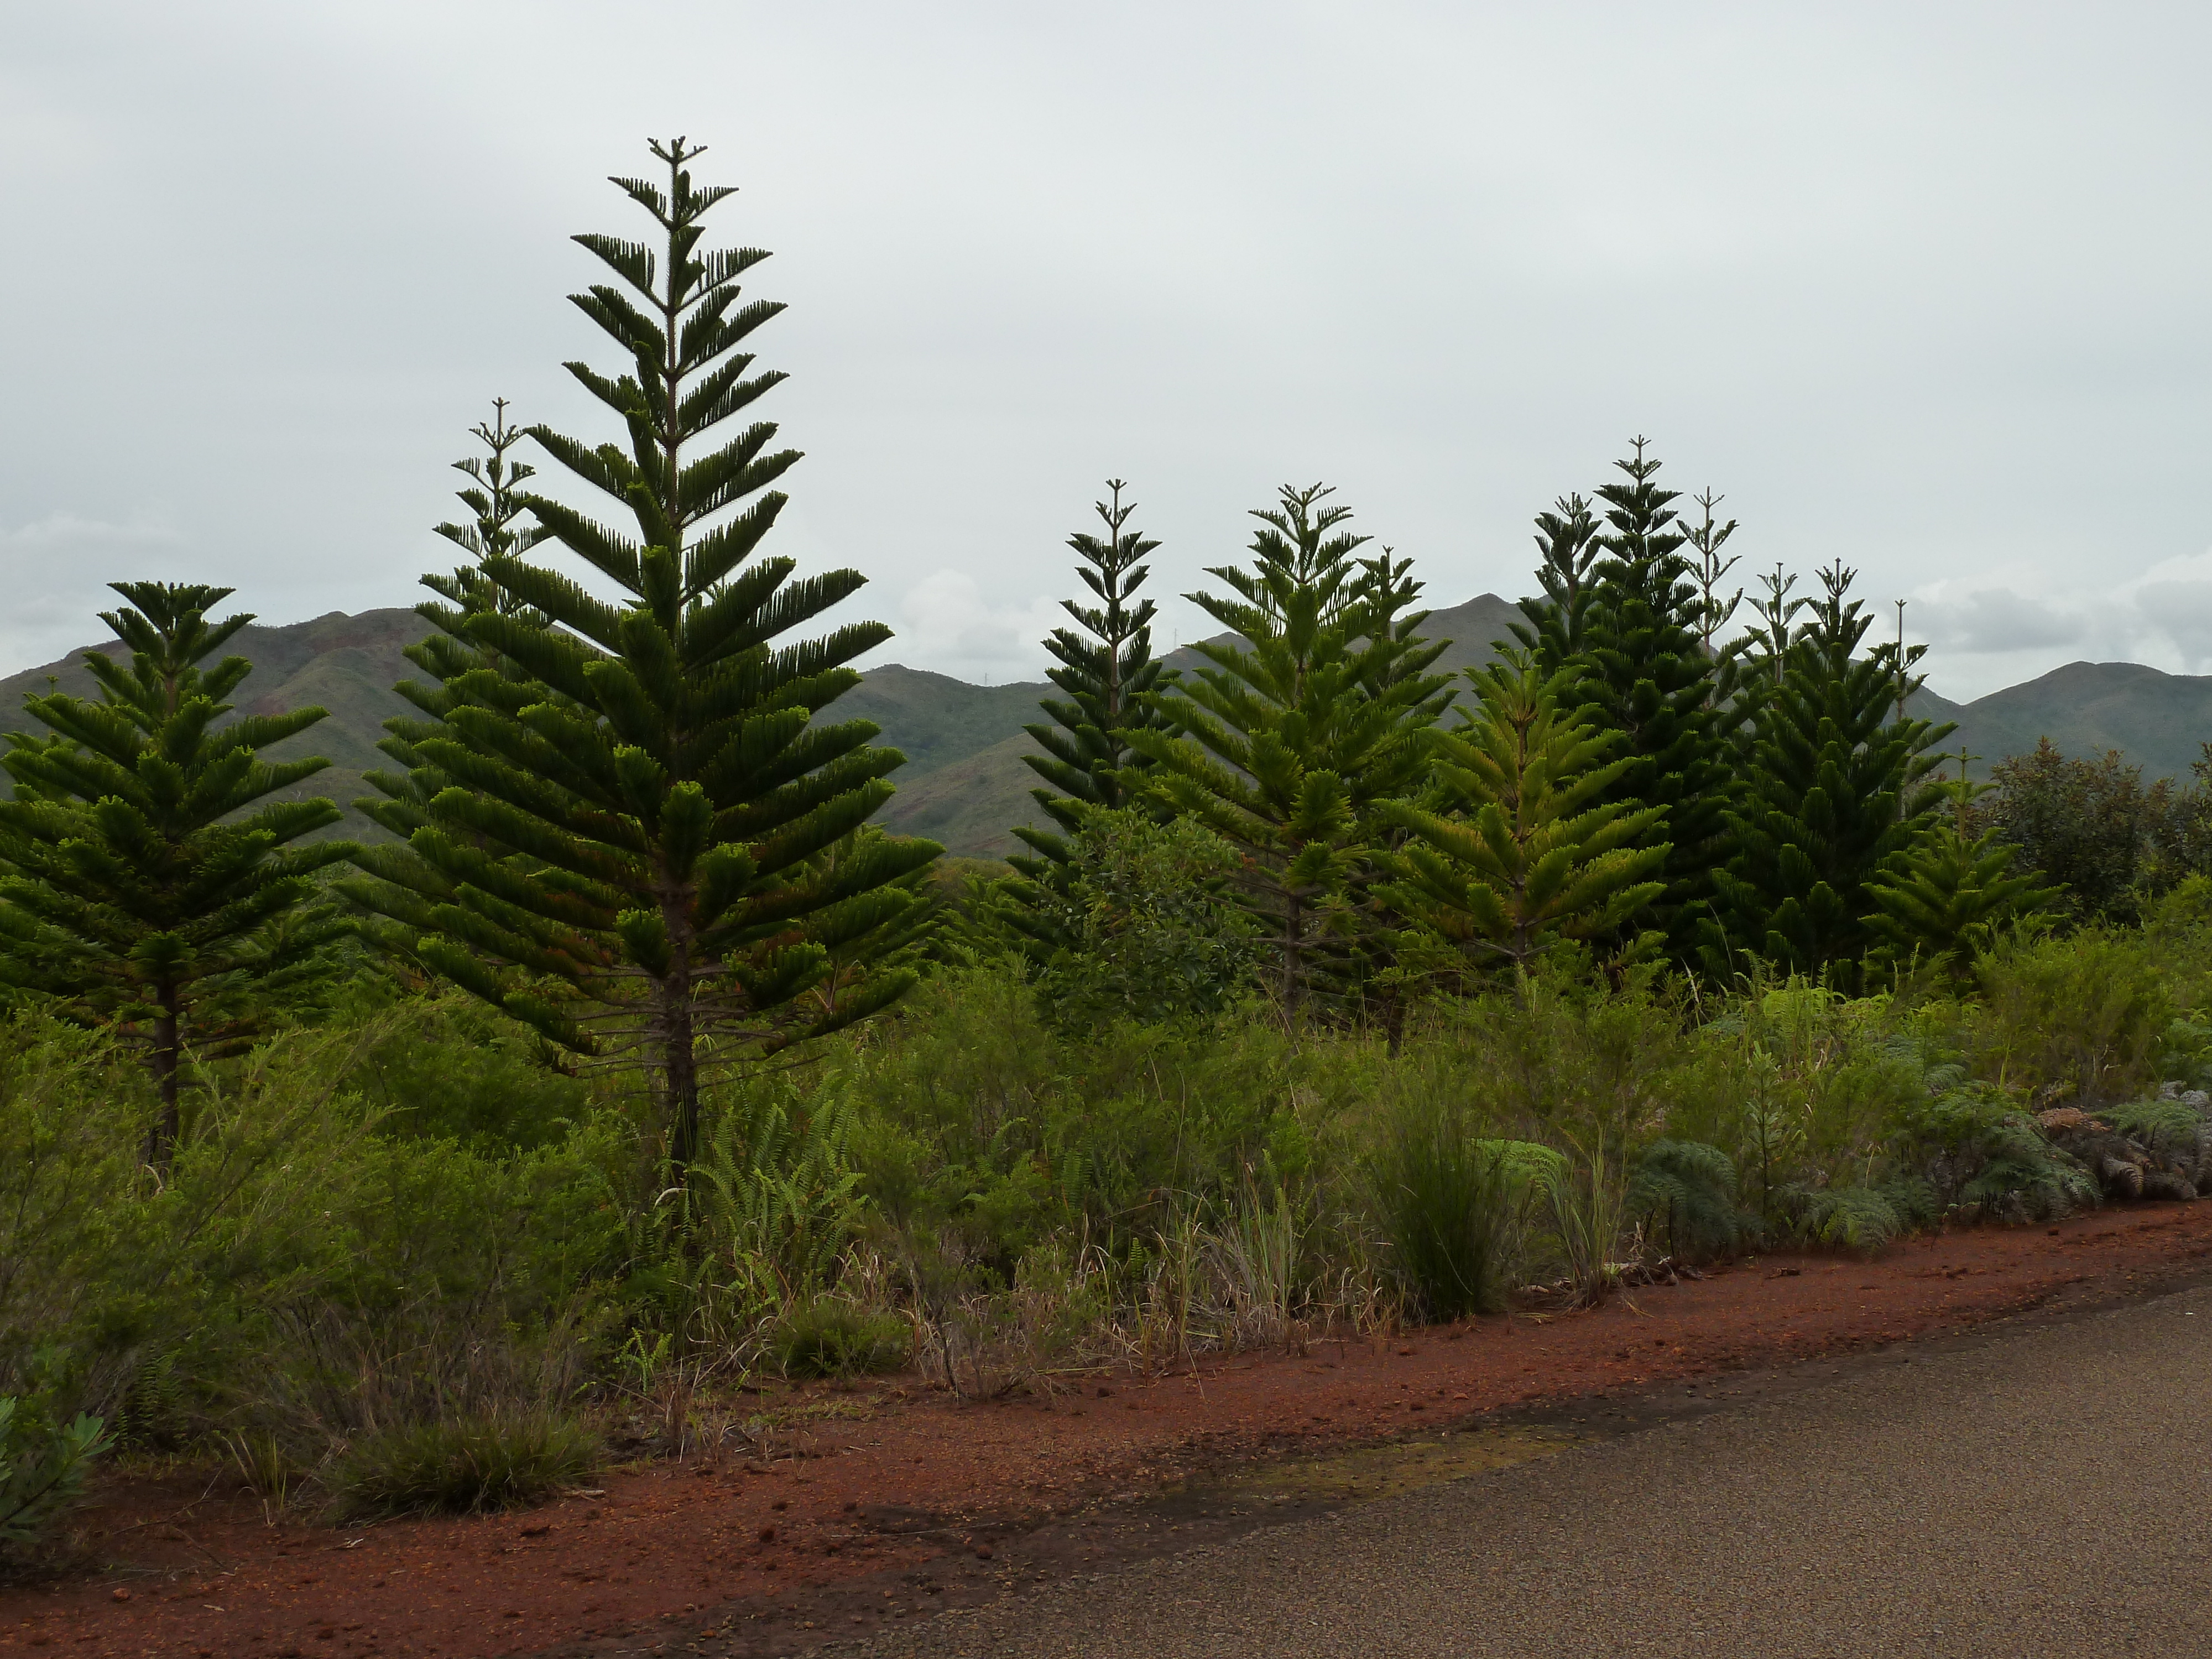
(2045, 1493)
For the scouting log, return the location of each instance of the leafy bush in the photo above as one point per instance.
(463, 1466)
(2082, 1017)
(459, 1072)
(828, 1336)
(43, 1465)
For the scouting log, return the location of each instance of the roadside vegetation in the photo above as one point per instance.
(631, 1070)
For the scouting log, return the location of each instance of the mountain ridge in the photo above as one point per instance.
(965, 782)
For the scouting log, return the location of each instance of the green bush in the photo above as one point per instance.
(459, 1072)
(463, 1466)
(2082, 1017)
(828, 1336)
(43, 1465)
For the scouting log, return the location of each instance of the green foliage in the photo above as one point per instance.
(1442, 1197)
(2083, 1018)
(1297, 731)
(144, 890)
(1107, 683)
(2093, 828)
(1148, 929)
(1973, 1146)
(1834, 791)
(1944, 901)
(495, 503)
(1635, 658)
(830, 1336)
(43, 1465)
(459, 1072)
(773, 1202)
(629, 854)
(2166, 1127)
(1529, 853)
(1863, 1219)
(1684, 1194)
(300, 1274)
(463, 1466)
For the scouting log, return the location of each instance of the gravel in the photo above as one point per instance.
(2042, 1494)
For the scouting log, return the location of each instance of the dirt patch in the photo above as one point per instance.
(898, 1503)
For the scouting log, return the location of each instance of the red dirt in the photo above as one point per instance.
(914, 1488)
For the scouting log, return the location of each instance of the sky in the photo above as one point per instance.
(1921, 288)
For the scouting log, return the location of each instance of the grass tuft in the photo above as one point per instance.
(462, 1467)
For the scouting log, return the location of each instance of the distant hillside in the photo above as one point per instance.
(2157, 721)
(972, 799)
(964, 782)
(347, 664)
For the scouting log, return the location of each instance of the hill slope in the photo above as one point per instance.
(965, 783)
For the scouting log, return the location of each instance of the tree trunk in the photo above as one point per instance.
(679, 1061)
(162, 1138)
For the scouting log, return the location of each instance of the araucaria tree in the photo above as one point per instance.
(1637, 661)
(1105, 683)
(1528, 851)
(496, 524)
(145, 889)
(1294, 734)
(1835, 788)
(636, 858)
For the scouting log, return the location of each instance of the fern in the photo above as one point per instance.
(2166, 1126)
(1688, 1190)
(1854, 1218)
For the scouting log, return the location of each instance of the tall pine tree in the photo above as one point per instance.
(1641, 668)
(152, 885)
(1106, 682)
(1835, 789)
(640, 858)
(497, 523)
(1294, 734)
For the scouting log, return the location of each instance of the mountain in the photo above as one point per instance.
(964, 782)
(347, 664)
(973, 799)
(2157, 721)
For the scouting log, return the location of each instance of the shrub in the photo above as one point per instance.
(43, 1464)
(463, 1466)
(828, 1336)
(2085, 1015)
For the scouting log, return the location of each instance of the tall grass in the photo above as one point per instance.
(1442, 1198)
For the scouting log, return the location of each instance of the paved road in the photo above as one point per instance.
(2043, 1495)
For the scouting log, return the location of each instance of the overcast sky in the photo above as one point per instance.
(1921, 287)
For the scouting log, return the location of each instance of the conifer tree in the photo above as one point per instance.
(1835, 788)
(1945, 900)
(1642, 668)
(1709, 571)
(638, 854)
(1526, 850)
(496, 525)
(1292, 737)
(1106, 682)
(146, 889)
(1566, 541)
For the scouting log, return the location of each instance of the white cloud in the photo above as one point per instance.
(1987, 634)
(1998, 619)
(946, 624)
